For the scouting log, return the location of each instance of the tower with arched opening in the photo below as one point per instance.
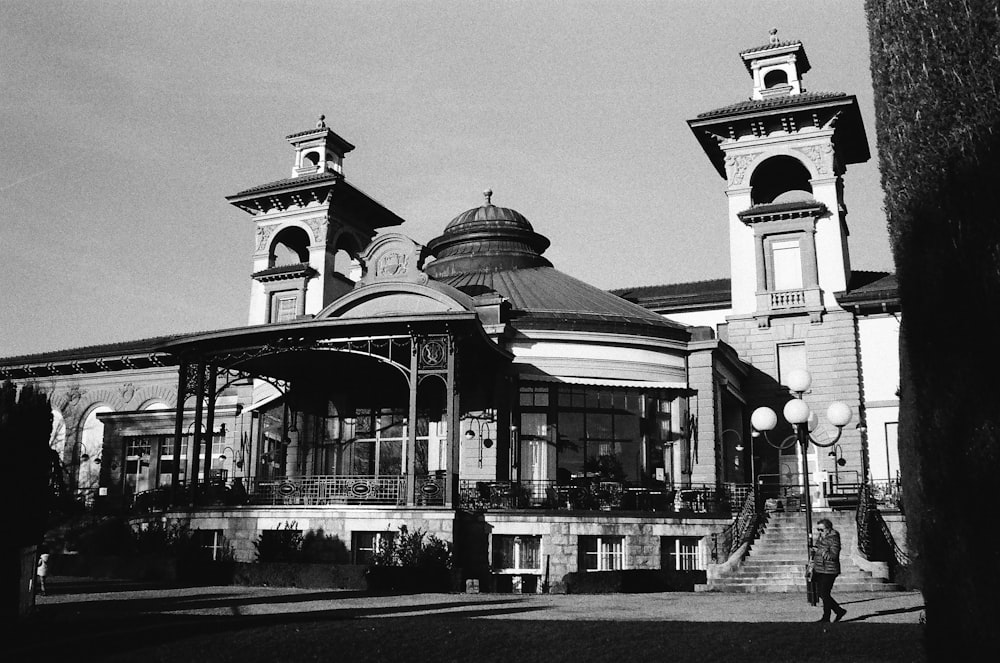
(310, 229)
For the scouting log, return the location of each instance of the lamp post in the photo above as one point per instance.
(484, 439)
(739, 449)
(804, 421)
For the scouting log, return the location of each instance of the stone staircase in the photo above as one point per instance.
(776, 560)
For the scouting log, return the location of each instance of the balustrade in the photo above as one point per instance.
(788, 299)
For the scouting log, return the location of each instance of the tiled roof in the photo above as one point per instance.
(870, 288)
(297, 269)
(765, 47)
(769, 209)
(545, 293)
(714, 292)
(143, 353)
(754, 105)
(315, 178)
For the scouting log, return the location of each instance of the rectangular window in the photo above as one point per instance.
(787, 261)
(601, 553)
(284, 306)
(680, 553)
(517, 553)
(211, 543)
(791, 356)
(364, 545)
(534, 396)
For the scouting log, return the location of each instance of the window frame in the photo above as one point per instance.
(603, 552)
(518, 545)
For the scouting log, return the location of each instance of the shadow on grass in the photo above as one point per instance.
(502, 629)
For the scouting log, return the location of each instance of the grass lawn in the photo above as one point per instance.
(475, 634)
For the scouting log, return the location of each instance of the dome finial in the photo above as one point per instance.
(774, 41)
(488, 194)
(322, 122)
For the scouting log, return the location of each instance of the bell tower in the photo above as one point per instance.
(783, 153)
(309, 230)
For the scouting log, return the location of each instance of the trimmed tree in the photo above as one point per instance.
(25, 426)
(936, 73)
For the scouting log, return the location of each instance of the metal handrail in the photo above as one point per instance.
(871, 524)
(486, 495)
(745, 528)
(309, 490)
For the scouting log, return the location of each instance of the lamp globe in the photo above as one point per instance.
(796, 411)
(763, 419)
(798, 380)
(839, 414)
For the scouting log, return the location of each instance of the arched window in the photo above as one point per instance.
(775, 77)
(89, 455)
(310, 158)
(290, 247)
(776, 176)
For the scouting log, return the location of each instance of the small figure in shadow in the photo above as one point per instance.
(41, 571)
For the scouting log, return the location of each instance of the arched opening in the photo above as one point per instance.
(57, 438)
(775, 77)
(310, 158)
(89, 454)
(291, 247)
(776, 176)
(347, 265)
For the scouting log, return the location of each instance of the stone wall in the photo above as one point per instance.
(241, 526)
(560, 537)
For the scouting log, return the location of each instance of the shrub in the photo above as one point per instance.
(283, 544)
(318, 547)
(415, 549)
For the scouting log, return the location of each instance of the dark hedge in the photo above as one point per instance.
(936, 74)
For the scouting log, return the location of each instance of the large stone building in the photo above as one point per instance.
(470, 389)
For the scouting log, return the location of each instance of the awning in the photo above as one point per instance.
(605, 382)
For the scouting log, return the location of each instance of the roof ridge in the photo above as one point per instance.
(772, 102)
(669, 285)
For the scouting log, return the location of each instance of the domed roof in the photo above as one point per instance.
(486, 238)
(488, 213)
(495, 249)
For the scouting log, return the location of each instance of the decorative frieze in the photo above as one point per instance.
(737, 165)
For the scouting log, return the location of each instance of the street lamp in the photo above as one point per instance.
(804, 421)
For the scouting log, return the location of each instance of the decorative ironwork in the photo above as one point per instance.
(747, 525)
(875, 540)
(433, 353)
(708, 499)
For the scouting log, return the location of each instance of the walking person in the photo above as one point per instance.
(825, 567)
(42, 570)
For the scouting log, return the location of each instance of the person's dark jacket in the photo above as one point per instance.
(826, 553)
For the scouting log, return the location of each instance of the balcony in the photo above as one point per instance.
(707, 499)
(320, 490)
(772, 303)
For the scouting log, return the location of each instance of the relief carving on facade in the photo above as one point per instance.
(393, 257)
(73, 396)
(127, 391)
(821, 156)
(737, 165)
(318, 225)
(264, 237)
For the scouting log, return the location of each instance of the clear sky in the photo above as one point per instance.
(124, 125)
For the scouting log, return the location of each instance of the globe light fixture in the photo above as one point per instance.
(804, 422)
